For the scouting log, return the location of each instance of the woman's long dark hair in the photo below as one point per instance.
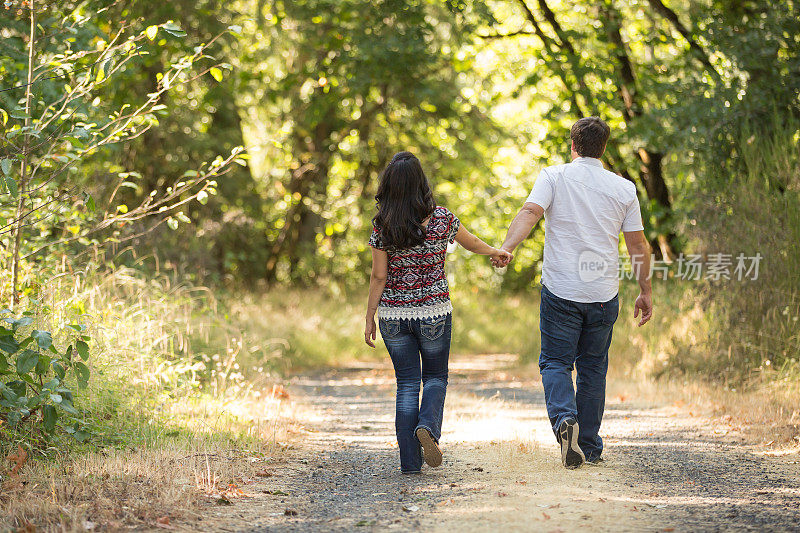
(405, 200)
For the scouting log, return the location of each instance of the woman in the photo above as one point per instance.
(408, 288)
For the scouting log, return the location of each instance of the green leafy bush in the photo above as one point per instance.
(36, 377)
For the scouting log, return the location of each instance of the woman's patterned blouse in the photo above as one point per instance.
(416, 285)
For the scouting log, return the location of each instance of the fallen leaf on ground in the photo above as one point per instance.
(233, 490)
(546, 516)
(290, 512)
(410, 508)
(18, 459)
(163, 523)
(264, 474)
(26, 528)
(502, 494)
(278, 391)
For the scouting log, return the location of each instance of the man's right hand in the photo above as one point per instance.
(644, 303)
(502, 258)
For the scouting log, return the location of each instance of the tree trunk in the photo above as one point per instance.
(23, 180)
(309, 179)
(650, 170)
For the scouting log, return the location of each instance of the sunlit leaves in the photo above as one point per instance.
(26, 361)
(43, 338)
(59, 370)
(9, 345)
(88, 201)
(216, 73)
(50, 416)
(82, 373)
(40, 376)
(83, 349)
(173, 29)
(8, 181)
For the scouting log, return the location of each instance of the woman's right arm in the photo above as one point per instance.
(477, 246)
(377, 282)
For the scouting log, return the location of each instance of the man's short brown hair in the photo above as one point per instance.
(590, 135)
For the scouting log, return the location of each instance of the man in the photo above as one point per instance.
(585, 208)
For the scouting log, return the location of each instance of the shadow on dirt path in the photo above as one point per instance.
(665, 470)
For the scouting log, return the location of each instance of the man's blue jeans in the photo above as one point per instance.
(420, 349)
(576, 334)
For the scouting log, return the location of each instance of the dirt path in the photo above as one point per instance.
(665, 470)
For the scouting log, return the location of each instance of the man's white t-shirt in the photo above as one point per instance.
(585, 209)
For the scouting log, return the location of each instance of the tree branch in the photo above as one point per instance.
(504, 35)
(698, 51)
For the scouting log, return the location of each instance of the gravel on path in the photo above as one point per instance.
(665, 469)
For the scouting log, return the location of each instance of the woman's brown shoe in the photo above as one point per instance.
(430, 449)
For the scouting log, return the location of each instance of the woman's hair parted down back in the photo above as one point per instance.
(405, 200)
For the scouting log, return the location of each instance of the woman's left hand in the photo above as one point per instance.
(501, 258)
(370, 332)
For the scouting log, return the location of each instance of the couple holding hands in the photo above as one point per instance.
(586, 208)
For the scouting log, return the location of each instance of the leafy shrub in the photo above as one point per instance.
(35, 377)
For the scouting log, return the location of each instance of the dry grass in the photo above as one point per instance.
(170, 478)
(767, 415)
(175, 423)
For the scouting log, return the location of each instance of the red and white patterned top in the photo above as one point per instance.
(416, 285)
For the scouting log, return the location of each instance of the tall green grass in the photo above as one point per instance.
(163, 361)
(287, 330)
(752, 205)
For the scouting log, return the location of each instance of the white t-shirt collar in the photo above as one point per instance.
(588, 161)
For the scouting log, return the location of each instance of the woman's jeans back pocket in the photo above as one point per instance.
(389, 328)
(433, 328)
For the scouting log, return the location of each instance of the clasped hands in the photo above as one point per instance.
(501, 258)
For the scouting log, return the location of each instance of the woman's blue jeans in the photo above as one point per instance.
(420, 349)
